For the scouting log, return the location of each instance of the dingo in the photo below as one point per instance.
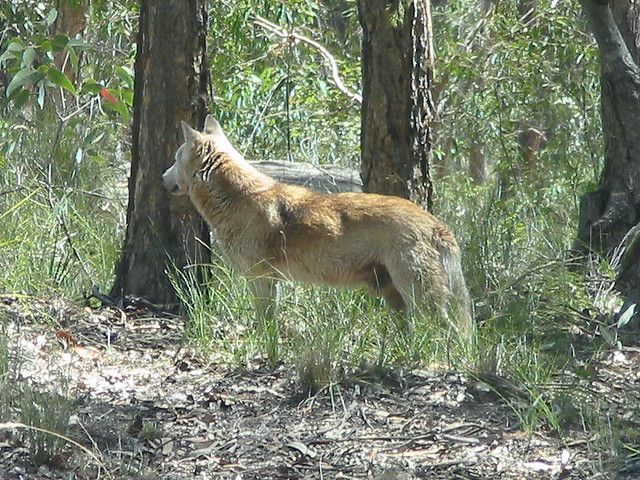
(274, 231)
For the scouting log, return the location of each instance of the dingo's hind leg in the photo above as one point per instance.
(380, 284)
(420, 281)
(393, 298)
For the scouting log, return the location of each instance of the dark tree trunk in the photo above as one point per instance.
(531, 140)
(527, 11)
(477, 163)
(170, 85)
(397, 109)
(608, 215)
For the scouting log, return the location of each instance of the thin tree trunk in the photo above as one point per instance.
(477, 163)
(477, 157)
(397, 109)
(531, 141)
(170, 85)
(527, 11)
(71, 21)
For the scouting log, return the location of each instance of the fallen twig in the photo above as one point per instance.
(408, 439)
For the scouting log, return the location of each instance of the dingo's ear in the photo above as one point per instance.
(190, 135)
(212, 127)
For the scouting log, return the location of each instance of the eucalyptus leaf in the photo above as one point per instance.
(41, 93)
(627, 315)
(13, 50)
(51, 16)
(28, 57)
(91, 86)
(21, 78)
(59, 42)
(21, 98)
(60, 79)
(78, 43)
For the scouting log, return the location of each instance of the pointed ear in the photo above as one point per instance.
(212, 127)
(190, 135)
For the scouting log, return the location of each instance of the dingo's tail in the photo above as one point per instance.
(452, 266)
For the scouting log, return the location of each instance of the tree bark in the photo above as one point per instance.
(170, 85)
(71, 21)
(530, 140)
(607, 214)
(397, 109)
(609, 220)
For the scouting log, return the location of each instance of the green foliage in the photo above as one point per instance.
(47, 411)
(512, 75)
(60, 227)
(62, 151)
(214, 298)
(277, 99)
(34, 59)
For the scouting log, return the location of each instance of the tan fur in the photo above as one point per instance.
(274, 231)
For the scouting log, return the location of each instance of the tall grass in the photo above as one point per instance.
(61, 209)
(214, 298)
(325, 333)
(46, 411)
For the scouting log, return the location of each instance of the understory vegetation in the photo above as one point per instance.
(541, 316)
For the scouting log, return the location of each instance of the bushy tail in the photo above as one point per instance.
(461, 301)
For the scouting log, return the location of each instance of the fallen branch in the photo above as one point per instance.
(292, 36)
(408, 439)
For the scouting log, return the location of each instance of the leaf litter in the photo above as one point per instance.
(149, 407)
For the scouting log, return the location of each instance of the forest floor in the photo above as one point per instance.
(148, 407)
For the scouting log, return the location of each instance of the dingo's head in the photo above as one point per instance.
(189, 157)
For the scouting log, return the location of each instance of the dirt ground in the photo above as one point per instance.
(148, 407)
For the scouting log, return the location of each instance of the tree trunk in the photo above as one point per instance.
(477, 163)
(170, 85)
(608, 215)
(71, 21)
(397, 109)
(530, 140)
(477, 157)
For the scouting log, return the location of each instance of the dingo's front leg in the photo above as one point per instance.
(264, 297)
(266, 322)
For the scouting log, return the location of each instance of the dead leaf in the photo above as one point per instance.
(302, 448)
